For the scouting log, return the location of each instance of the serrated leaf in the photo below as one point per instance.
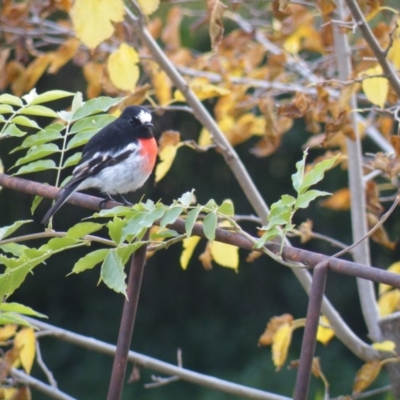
(226, 208)
(81, 138)
(191, 219)
(36, 166)
(38, 152)
(90, 260)
(189, 244)
(82, 229)
(94, 106)
(24, 121)
(186, 199)
(20, 309)
(15, 249)
(13, 130)
(210, 225)
(6, 109)
(10, 99)
(94, 122)
(297, 177)
(72, 160)
(112, 272)
(115, 228)
(304, 200)
(44, 136)
(50, 96)
(317, 173)
(171, 216)
(39, 111)
(6, 231)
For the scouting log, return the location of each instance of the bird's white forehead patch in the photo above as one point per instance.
(144, 117)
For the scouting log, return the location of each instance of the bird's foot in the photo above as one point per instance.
(125, 202)
(105, 201)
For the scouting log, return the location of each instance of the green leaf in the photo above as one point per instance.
(317, 173)
(11, 318)
(210, 225)
(6, 231)
(44, 136)
(59, 243)
(6, 109)
(65, 115)
(278, 209)
(39, 111)
(226, 208)
(90, 260)
(15, 249)
(297, 178)
(186, 199)
(12, 130)
(304, 200)
(112, 272)
(126, 251)
(287, 200)
(77, 102)
(24, 121)
(72, 160)
(211, 205)
(20, 309)
(80, 139)
(50, 96)
(165, 234)
(115, 229)
(38, 152)
(35, 202)
(270, 234)
(36, 166)
(171, 216)
(152, 216)
(95, 106)
(10, 99)
(82, 229)
(95, 122)
(191, 220)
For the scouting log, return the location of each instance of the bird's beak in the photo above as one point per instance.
(149, 125)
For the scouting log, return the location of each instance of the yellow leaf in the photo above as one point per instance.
(324, 333)
(189, 245)
(386, 345)
(149, 6)
(25, 340)
(375, 89)
(395, 268)
(273, 325)
(162, 87)
(169, 143)
(389, 302)
(8, 393)
(205, 138)
(36, 69)
(366, 375)
(203, 90)
(7, 331)
(122, 67)
(225, 254)
(280, 345)
(93, 19)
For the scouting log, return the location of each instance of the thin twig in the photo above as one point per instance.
(43, 366)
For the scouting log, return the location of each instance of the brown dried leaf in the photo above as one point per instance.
(7, 362)
(216, 10)
(253, 255)
(366, 375)
(170, 34)
(395, 142)
(339, 201)
(206, 257)
(273, 325)
(94, 75)
(36, 69)
(15, 75)
(281, 9)
(63, 54)
(326, 7)
(169, 138)
(380, 235)
(372, 196)
(305, 230)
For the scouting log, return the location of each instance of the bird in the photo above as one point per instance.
(116, 160)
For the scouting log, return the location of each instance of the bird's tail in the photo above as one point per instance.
(62, 197)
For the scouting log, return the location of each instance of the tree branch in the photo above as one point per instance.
(157, 365)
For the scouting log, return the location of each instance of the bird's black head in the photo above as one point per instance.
(140, 118)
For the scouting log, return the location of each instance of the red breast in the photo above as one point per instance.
(148, 150)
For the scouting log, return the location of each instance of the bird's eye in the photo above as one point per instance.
(132, 121)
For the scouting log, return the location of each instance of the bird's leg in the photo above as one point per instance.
(104, 201)
(125, 202)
